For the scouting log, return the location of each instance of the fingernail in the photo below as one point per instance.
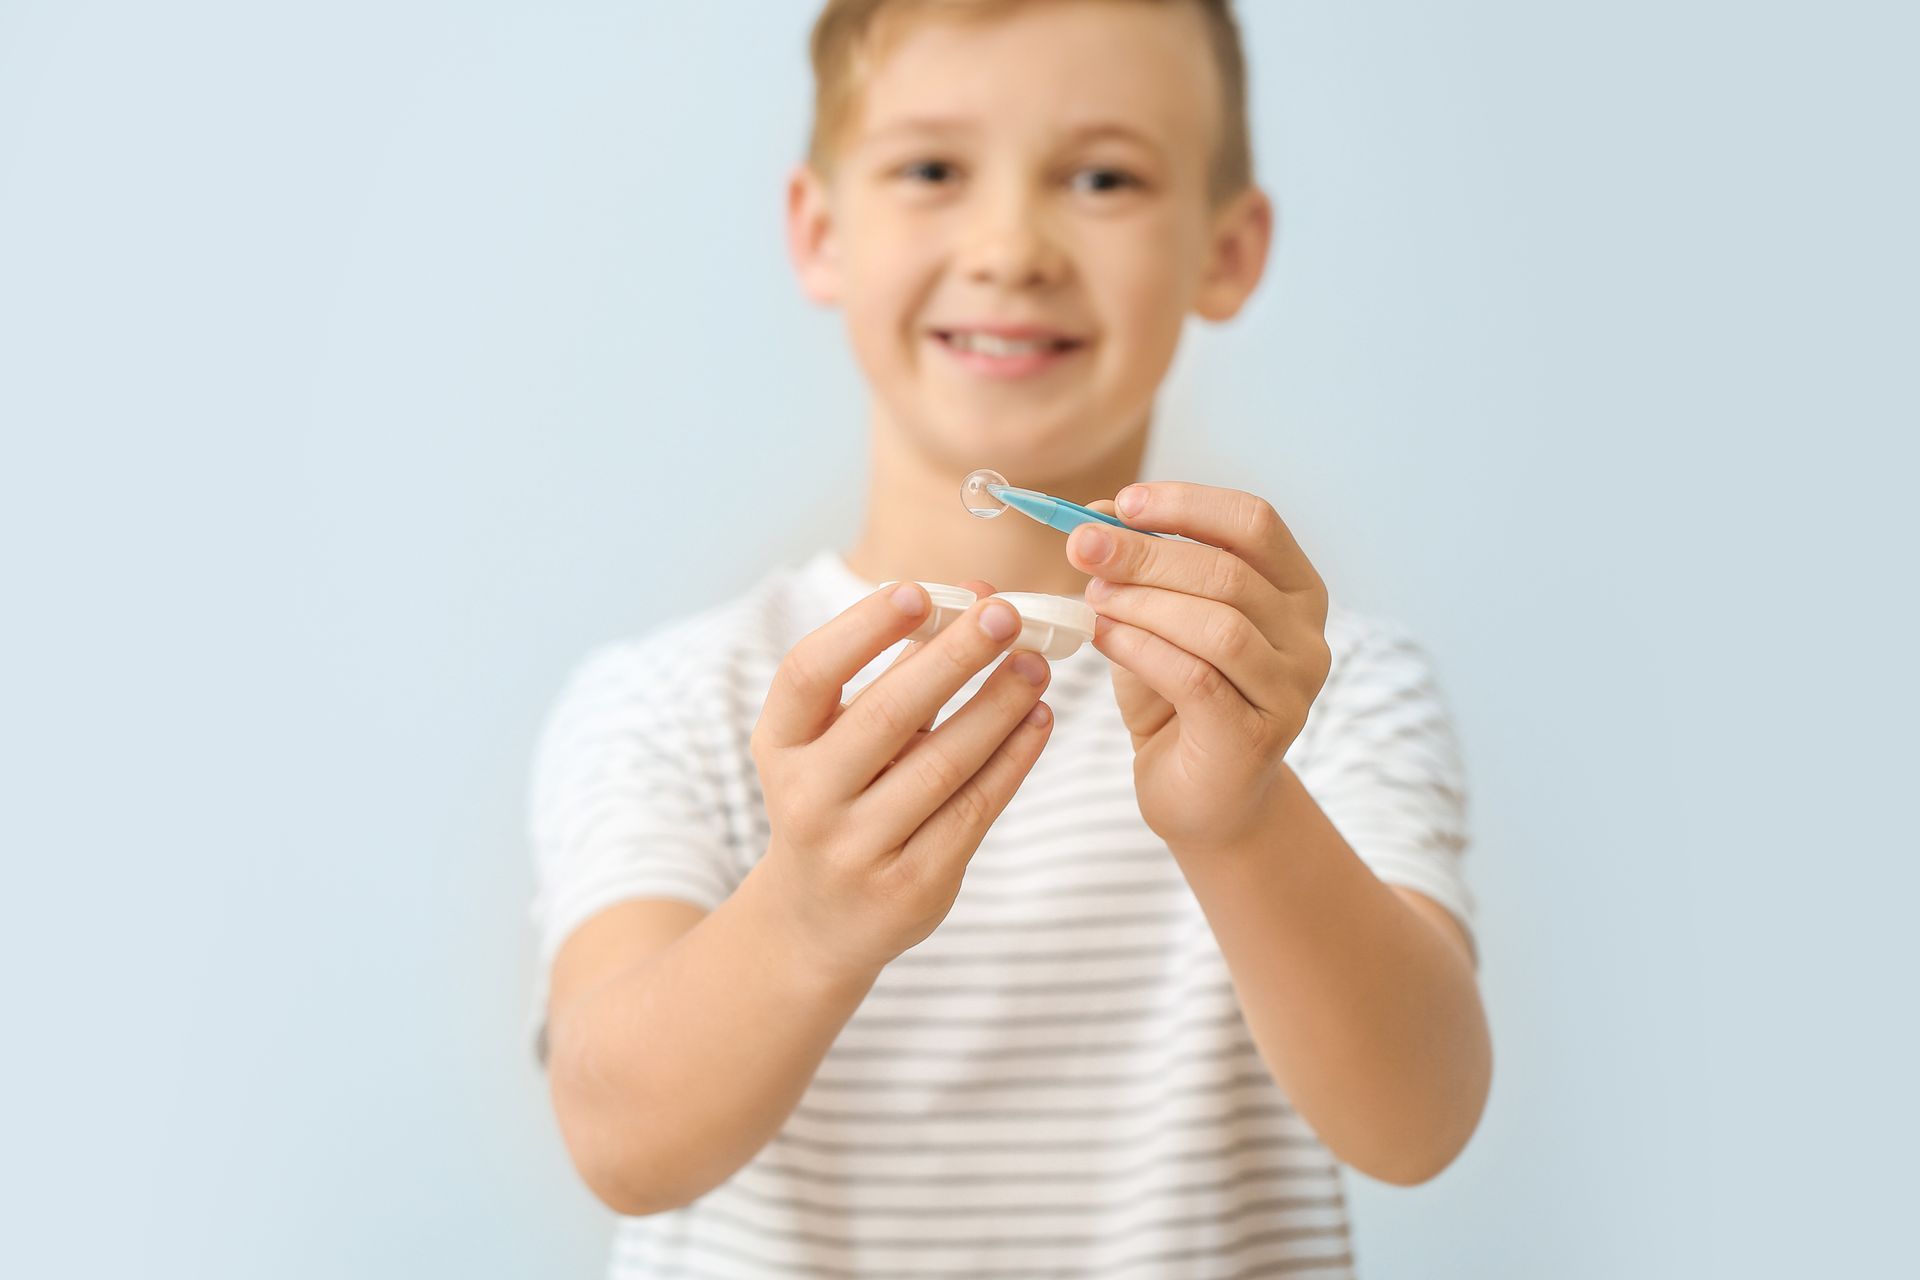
(1031, 665)
(1131, 500)
(999, 620)
(1039, 714)
(1094, 546)
(1098, 589)
(908, 600)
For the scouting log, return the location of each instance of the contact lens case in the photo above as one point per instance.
(1052, 626)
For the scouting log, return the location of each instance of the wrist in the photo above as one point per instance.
(1254, 838)
(797, 949)
(1287, 859)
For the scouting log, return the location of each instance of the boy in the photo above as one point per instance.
(872, 988)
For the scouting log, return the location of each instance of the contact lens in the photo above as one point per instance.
(978, 497)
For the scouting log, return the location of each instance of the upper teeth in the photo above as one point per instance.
(987, 344)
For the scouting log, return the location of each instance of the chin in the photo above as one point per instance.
(1026, 455)
(1050, 441)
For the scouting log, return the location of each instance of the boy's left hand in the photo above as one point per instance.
(1219, 651)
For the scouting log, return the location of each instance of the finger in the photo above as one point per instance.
(1214, 632)
(907, 651)
(929, 773)
(912, 647)
(1192, 568)
(879, 724)
(804, 696)
(1208, 705)
(980, 587)
(1143, 711)
(946, 841)
(1241, 523)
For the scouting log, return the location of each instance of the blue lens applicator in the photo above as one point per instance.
(987, 493)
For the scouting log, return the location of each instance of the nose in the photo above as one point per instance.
(1010, 246)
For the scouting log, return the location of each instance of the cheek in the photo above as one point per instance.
(1143, 297)
(887, 285)
(1143, 277)
(894, 256)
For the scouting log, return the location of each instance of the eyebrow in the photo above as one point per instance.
(1090, 132)
(1114, 129)
(917, 124)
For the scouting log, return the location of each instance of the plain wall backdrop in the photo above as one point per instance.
(363, 364)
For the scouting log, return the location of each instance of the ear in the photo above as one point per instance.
(810, 239)
(1242, 234)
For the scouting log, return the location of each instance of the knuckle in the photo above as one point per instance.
(971, 808)
(935, 771)
(1229, 634)
(801, 670)
(897, 881)
(1200, 679)
(1261, 734)
(1320, 661)
(1263, 522)
(1226, 577)
(1308, 670)
(884, 710)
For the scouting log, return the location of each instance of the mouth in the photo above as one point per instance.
(1005, 351)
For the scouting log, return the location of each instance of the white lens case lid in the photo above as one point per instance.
(1053, 626)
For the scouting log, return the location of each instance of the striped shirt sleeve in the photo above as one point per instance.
(1387, 767)
(621, 806)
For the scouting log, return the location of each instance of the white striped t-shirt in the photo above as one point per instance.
(1058, 1081)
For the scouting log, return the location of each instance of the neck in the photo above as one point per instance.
(916, 528)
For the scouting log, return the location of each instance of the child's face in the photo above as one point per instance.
(1019, 222)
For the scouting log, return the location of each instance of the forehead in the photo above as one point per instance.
(1053, 67)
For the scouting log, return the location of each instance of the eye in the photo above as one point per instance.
(927, 172)
(1101, 180)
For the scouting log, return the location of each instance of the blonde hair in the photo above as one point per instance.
(841, 55)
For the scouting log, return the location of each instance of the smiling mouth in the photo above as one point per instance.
(994, 346)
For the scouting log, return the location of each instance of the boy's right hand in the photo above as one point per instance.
(874, 817)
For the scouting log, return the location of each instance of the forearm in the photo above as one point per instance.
(667, 1079)
(1366, 1014)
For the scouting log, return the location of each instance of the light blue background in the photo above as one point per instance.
(362, 364)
